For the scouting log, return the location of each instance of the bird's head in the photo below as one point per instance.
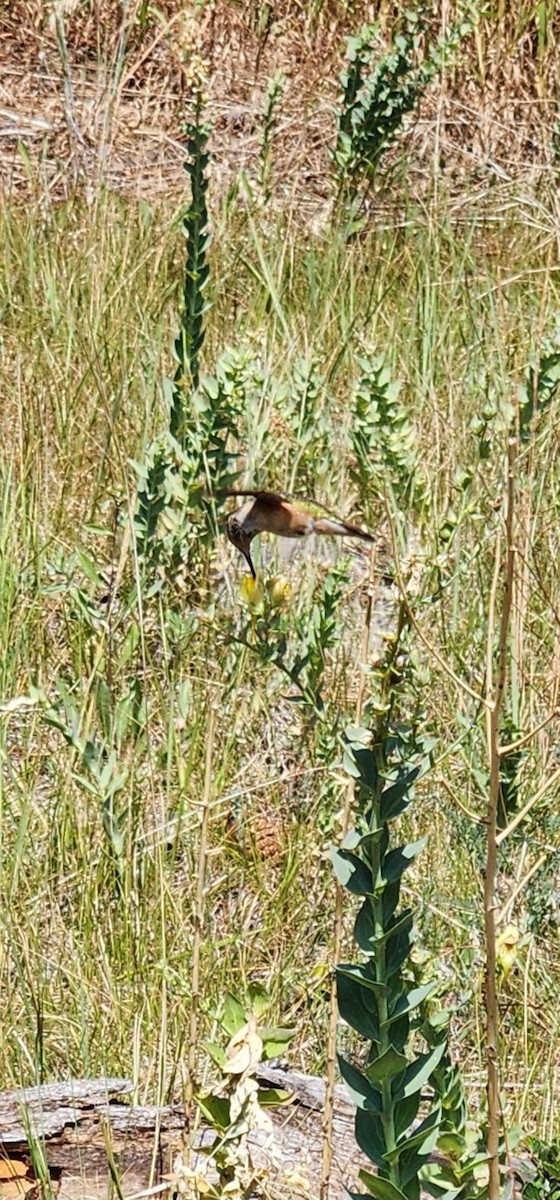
(241, 539)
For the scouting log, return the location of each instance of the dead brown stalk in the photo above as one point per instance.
(199, 920)
(495, 690)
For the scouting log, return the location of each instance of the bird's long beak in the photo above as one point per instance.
(247, 554)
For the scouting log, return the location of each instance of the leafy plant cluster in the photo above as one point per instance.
(383, 437)
(180, 482)
(545, 1184)
(536, 391)
(189, 463)
(274, 95)
(195, 228)
(539, 388)
(302, 410)
(106, 751)
(298, 643)
(379, 92)
(238, 1104)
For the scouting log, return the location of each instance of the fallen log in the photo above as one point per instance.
(84, 1124)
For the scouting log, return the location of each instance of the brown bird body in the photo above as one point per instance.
(269, 512)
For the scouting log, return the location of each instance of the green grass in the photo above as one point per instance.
(95, 959)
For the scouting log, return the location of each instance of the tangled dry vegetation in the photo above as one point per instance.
(107, 100)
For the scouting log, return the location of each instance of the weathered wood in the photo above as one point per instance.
(75, 1120)
(50, 1107)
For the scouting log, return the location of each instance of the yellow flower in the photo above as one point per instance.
(279, 591)
(252, 593)
(507, 947)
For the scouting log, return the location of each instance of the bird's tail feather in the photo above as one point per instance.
(341, 529)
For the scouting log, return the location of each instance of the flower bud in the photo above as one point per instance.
(279, 591)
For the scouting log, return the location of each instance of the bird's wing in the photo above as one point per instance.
(277, 498)
(274, 498)
(258, 493)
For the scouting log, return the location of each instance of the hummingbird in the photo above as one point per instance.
(269, 512)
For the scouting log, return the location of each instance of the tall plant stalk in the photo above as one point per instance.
(190, 340)
(495, 689)
(375, 997)
(199, 922)
(328, 1115)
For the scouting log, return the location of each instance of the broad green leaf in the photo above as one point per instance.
(276, 1033)
(396, 798)
(89, 568)
(477, 1160)
(369, 1136)
(140, 469)
(259, 999)
(382, 1189)
(364, 929)
(88, 786)
(395, 806)
(390, 901)
(400, 1033)
(361, 974)
(359, 762)
(349, 765)
(397, 861)
(358, 735)
(351, 840)
(355, 838)
(412, 1188)
(423, 1138)
(451, 1143)
(388, 1065)
(437, 1182)
(397, 935)
(419, 1071)
(442, 1179)
(357, 1006)
(210, 386)
(234, 1015)
(273, 1097)
(274, 1040)
(216, 1052)
(410, 1165)
(405, 1111)
(440, 1020)
(407, 1004)
(398, 947)
(363, 1094)
(401, 919)
(515, 1136)
(352, 872)
(216, 1111)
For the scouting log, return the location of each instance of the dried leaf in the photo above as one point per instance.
(16, 1178)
